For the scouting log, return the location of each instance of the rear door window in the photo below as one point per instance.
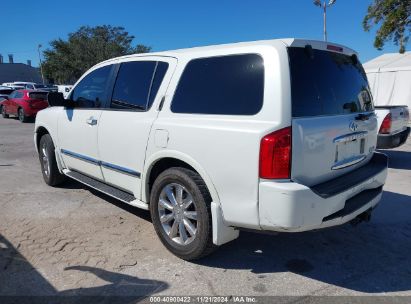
(227, 85)
(137, 84)
(327, 83)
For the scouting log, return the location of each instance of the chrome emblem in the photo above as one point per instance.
(353, 126)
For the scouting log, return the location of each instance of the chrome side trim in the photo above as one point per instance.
(350, 137)
(101, 163)
(120, 169)
(81, 157)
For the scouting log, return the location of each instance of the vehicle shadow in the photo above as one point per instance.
(398, 159)
(372, 257)
(18, 278)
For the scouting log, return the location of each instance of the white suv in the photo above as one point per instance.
(274, 135)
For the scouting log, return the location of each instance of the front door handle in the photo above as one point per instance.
(91, 121)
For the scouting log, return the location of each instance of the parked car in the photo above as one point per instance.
(393, 126)
(51, 88)
(24, 104)
(265, 136)
(23, 83)
(5, 91)
(14, 86)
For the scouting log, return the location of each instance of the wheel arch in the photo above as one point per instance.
(39, 133)
(163, 160)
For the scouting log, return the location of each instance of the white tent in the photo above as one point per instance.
(389, 76)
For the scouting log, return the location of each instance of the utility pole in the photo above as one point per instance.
(41, 65)
(324, 6)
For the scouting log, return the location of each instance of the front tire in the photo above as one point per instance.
(181, 214)
(3, 112)
(48, 163)
(22, 116)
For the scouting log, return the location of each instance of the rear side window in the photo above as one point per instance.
(327, 83)
(228, 85)
(137, 84)
(90, 92)
(19, 95)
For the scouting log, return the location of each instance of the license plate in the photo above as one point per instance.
(348, 150)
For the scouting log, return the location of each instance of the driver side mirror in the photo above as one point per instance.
(56, 99)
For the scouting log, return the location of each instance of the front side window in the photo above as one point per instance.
(227, 85)
(90, 92)
(137, 84)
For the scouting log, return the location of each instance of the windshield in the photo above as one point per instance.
(327, 83)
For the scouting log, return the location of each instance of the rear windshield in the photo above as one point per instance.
(38, 96)
(327, 83)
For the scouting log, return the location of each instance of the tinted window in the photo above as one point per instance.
(90, 91)
(231, 85)
(6, 91)
(38, 95)
(157, 80)
(327, 83)
(19, 95)
(133, 83)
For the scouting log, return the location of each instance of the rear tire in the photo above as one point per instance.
(22, 116)
(48, 163)
(3, 112)
(184, 228)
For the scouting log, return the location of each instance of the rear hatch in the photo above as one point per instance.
(38, 100)
(334, 128)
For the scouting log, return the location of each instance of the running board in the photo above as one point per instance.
(106, 189)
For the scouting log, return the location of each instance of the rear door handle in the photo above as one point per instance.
(91, 121)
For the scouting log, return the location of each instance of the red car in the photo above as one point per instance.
(24, 104)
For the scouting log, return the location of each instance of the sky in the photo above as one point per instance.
(167, 25)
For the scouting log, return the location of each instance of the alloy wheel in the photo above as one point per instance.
(45, 160)
(178, 214)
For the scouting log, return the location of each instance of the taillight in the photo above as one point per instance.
(406, 115)
(386, 125)
(275, 154)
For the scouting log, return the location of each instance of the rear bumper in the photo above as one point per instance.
(392, 141)
(292, 207)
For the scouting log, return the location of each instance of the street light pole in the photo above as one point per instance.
(325, 21)
(41, 65)
(324, 6)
